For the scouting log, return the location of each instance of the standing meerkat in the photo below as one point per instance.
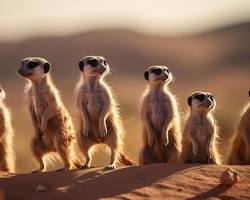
(201, 132)
(7, 156)
(99, 115)
(160, 119)
(240, 152)
(54, 131)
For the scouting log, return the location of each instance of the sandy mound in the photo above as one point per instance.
(162, 181)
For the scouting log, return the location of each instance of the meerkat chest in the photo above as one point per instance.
(95, 102)
(158, 110)
(203, 132)
(39, 105)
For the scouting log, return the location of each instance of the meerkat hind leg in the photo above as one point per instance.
(88, 158)
(63, 151)
(39, 149)
(86, 144)
(113, 159)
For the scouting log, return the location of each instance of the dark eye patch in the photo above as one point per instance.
(92, 62)
(200, 97)
(32, 65)
(157, 71)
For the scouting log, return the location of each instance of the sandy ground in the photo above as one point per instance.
(161, 181)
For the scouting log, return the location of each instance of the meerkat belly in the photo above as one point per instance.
(94, 110)
(39, 109)
(202, 136)
(157, 116)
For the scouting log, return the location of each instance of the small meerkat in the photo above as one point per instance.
(99, 115)
(160, 119)
(7, 156)
(54, 131)
(201, 131)
(240, 152)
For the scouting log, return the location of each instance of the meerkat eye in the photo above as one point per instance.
(200, 97)
(32, 65)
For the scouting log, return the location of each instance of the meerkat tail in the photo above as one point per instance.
(125, 160)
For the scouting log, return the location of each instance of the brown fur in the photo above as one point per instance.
(7, 156)
(240, 152)
(99, 116)
(201, 131)
(160, 120)
(54, 131)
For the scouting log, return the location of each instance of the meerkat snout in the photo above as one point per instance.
(34, 68)
(202, 101)
(158, 74)
(94, 66)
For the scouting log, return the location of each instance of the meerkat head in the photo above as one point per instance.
(34, 68)
(2, 94)
(94, 66)
(158, 75)
(202, 101)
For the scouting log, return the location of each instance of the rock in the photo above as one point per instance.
(41, 188)
(229, 177)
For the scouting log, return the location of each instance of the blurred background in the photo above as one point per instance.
(206, 44)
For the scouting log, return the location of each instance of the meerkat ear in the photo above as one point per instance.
(146, 75)
(190, 101)
(81, 65)
(249, 93)
(46, 67)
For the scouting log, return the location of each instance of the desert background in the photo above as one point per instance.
(213, 58)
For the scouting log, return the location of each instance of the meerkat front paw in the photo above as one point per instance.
(103, 130)
(165, 139)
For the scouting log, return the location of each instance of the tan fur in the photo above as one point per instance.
(54, 131)
(240, 152)
(7, 156)
(160, 120)
(200, 134)
(99, 115)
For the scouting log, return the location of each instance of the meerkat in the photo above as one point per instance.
(200, 134)
(54, 131)
(7, 156)
(160, 119)
(100, 121)
(240, 152)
